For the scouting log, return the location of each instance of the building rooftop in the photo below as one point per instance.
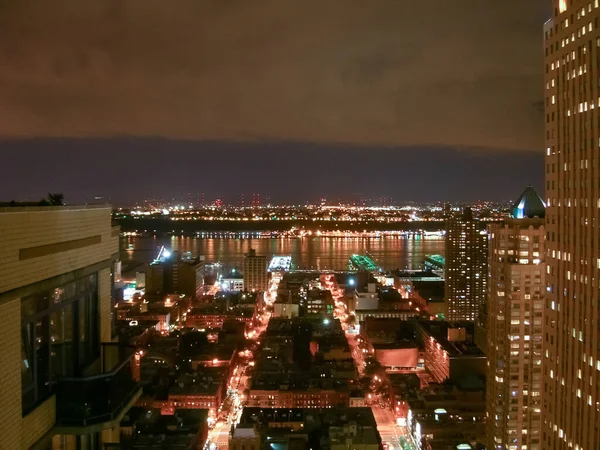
(233, 275)
(404, 380)
(204, 381)
(431, 290)
(528, 205)
(361, 436)
(332, 416)
(417, 275)
(363, 262)
(397, 344)
(453, 398)
(467, 214)
(208, 309)
(438, 259)
(41, 207)
(129, 329)
(244, 431)
(439, 331)
(289, 381)
(154, 431)
(280, 264)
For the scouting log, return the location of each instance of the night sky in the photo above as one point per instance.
(131, 99)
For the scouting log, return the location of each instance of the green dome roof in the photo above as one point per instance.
(528, 205)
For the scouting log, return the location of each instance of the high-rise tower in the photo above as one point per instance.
(256, 277)
(466, 267)
(571, 365)
(514, 329)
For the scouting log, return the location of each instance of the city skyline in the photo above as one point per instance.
(315, 239)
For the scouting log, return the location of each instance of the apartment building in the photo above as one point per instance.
(514, 329)
(466, 267)
(571, 408)
(256, 277)
(64, 384)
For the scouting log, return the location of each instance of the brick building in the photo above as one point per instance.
(58, 377)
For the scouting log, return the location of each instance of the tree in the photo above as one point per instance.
(56, 199)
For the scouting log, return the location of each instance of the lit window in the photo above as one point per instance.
(562, 5)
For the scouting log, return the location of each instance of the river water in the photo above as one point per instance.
(389, 252)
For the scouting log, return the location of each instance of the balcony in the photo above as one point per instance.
(103, 394)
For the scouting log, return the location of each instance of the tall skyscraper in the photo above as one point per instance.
(466, 267)
(571, 407)
(255, 272)
(514, 330)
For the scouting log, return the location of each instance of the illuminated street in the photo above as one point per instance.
(392, 435)
(231, 408)
(388, 429)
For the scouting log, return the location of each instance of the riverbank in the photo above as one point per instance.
(163, 225)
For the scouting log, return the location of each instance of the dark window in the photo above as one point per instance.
(27, 356)
(60, 336)
(62, 355)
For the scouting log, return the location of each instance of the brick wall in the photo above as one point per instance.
(38, 422)
(37, 244)
(38, 227)
(10, 375)
(16, 431)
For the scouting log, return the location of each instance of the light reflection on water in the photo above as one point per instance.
(390, 252)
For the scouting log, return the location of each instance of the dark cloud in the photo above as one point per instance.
(384, 72)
